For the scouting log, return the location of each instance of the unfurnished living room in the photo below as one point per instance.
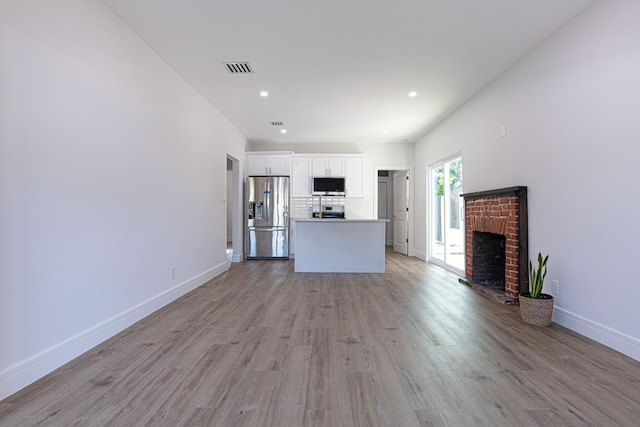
(424, 152)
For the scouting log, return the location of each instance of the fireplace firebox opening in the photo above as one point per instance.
(489, 259)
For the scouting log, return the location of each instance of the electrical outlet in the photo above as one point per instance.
(555, 287)
(503, 131)
(172, 272)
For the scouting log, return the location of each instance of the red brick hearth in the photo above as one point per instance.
(501, 212)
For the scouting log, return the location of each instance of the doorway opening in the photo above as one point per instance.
(234, 229)
(446, 219)
(392, 203)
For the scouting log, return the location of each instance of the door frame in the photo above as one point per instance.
(237, 224)
(401, 246)
(410, 227)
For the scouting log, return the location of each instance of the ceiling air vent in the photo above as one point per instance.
(238, 67)
(277, 123)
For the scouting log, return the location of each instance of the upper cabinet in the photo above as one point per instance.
(301, 173)
(328, 166)
(269, 163)
(354, 176)
(305, 167)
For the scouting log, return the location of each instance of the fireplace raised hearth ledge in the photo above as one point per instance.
(502, 211)
(489, 292)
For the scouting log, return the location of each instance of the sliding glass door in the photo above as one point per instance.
(446, 237)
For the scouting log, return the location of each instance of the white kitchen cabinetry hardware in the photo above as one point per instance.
(273, 163)
(328, 166)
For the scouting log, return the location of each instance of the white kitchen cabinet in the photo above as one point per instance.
(305, 167)
(354, 176)
(328, 166)
(301, 174)
(273, 163)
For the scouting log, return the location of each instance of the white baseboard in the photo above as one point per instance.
(420, 255)
(39, 365)
(611, 338)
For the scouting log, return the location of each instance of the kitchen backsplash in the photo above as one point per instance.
(301, 206)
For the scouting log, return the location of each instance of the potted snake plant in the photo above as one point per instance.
(536, 307)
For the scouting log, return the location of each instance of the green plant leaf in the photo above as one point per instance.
(537, 275)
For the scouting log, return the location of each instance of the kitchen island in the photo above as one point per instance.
(340, 245)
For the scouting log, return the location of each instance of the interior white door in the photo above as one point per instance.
(400, 211)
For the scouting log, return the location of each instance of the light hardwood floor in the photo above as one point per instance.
(264, 346)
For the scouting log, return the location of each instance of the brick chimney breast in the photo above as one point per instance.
(502, 212)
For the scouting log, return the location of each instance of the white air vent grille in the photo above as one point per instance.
(277, 123)
(238, 67)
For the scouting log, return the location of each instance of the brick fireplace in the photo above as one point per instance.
(496, 242)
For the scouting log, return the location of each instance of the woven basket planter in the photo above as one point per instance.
(536, 311)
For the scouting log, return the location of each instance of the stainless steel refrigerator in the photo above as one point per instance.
(267, 233)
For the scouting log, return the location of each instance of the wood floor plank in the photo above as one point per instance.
(262, 345)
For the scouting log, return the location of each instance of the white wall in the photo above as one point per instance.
(571, 115)
(112, 169)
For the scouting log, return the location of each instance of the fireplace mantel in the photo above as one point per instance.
(509, 191)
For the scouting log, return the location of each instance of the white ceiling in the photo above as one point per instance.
(341, 70)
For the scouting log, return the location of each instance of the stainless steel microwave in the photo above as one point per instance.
(328, 186)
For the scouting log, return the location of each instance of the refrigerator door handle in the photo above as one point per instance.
(267, 198)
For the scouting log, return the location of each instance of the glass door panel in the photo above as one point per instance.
(437, 214)
(447, 221)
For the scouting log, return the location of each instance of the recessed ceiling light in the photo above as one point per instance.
(264, 93)
(413, 94)
(283, 131)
